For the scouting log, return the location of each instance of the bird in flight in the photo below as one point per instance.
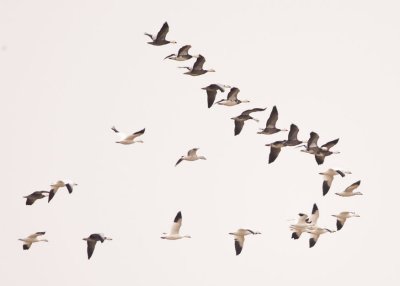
(160, 40)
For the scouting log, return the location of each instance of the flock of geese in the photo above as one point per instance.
(304, 223)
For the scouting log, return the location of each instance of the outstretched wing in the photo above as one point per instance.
(238, 126)
(198, 65)
(247, 112)
(239, 241)
(330, 144)
(90, 247)
(184, 51)
(177, 223)
(192, 152)
(136, 134)
(274, 152)
(232, 95)
(352, 187)
(273, 118)
(313, 141)
(294, 130)
(163, 32)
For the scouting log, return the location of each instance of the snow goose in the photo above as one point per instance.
(183, 54)
(315, 232)
(305, 222)
(30, 199)
(197, 68)
(191, 156)
(348, 192)
(174, 233)
(92, 240)
(239, 238)
(271, 122)
(212, 90)
(341, 218)
(245, 115)
(292, 137)
(61, 184)
(32, 239)
(128, 139)
(160, 40)
(231, 99)
(328, 178)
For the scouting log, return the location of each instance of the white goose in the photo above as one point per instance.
(92, 240)
(174, 233)
(304, 222)
(341, 218)
(32, 239)
(348, 192)
(191, 156)
(328, 178)
(315, 233)
(239, 238)
(128, 139)
(60, 184)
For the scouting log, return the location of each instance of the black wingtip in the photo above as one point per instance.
(51, 195)
(325, 188)
(178, 216)
(295, 236)
(314, 209)
(339, 225)
(312, 242)
(340, 173)
(25, 247)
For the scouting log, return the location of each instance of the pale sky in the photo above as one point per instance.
(70, 70)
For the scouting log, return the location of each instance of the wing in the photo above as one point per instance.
(340, 173)
(30, 200)
(294, 130)
(314, 215)
(184, 51)
(97, 237)
(239, 240)
(330, 144)
(326, 185)
(192, 152)
(37, 234)
(273, 118)
(177, 223)
(340, 222)
(238, 126)
(296, 234)
(247, 112)
(313, 239)
(90, 247)
(274, 152)
(26, 245)
(198, 65)
(211, 94)
(180, 160)
(313, 141)
(352, 187)
(136, 134)
(69, 188)
(163, 32)
(52, 193)
(232, 95)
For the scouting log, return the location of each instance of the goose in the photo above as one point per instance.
(160, 40)
(92, 240)
(319, 152)
(275, 150)
(245, 115)
(315, 233)
(292, 137)
(270, 126)
(183, 54)
(174, 233)
(32, 239)
(348, 192)
(239, 238)
(328, 178)
(197, 68)
(231, 99)
(128, 139)
(212, 90)
(305, 222)
(60, 184)
(324, 151)
(341, 218)
(191, 156)
(30, 199)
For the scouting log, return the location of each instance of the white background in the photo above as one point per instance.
(69, 70)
